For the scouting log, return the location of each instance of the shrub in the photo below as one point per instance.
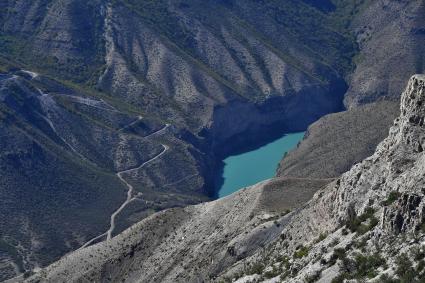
(340, 278)
(313, 278)
(301, 252)
(338, 254)
(420, 266)
(373, 222)
(272, 273)
(385, 278)
(361, 244)
(367, 265)
(362, 266)
(334, 242)
(392, 197)
(404, 269)
(320, 238)
(418, 254)
(356, 224)
(256, 268)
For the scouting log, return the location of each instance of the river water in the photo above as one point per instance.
(257, 165)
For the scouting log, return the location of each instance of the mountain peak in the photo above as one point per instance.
(413, 98)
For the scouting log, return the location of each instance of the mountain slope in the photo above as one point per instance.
(104, 87)
(337, 141)
(97, 67)
(372, 208)
(61, 151)
(391, 36)
(368, 223)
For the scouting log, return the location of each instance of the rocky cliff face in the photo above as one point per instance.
(366, 225)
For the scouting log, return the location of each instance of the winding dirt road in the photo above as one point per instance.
(130, 195)
(130, 191)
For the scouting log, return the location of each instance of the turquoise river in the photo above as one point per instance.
(257, 165)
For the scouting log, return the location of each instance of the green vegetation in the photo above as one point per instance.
(55, 177)
(367, 264)
(362, 266)
(313, 278)
(272, 273)
(301, 252)
(418, 254)
(84, 66)
(361, 244)
(345, 11)
(256, 268)
(43, 173)
(337, 254)
(320, 238)
(392, 197)
(405, 270)
(357, 223)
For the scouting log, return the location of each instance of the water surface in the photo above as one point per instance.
(257, 165)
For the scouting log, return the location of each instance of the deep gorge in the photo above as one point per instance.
(243, 126)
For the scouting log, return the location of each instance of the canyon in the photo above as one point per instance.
(363, 225)
(114, 113)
